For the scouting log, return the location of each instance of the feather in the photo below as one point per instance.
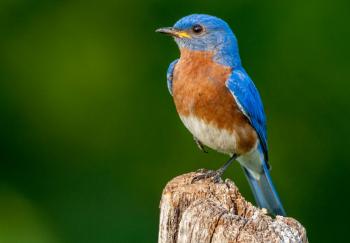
(248, 99)
(169, 76)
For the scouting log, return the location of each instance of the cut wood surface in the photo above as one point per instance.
(216, 212)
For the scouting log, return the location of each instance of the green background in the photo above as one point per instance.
(89, 134)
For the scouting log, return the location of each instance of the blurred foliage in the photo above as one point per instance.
(89, 133)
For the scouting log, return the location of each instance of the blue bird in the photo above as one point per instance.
(219, 103)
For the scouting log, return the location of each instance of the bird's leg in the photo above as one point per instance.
(216, 174)
(199, 144)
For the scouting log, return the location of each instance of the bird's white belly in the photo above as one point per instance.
(210, 135)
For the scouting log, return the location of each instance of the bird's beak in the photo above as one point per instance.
(173, 32)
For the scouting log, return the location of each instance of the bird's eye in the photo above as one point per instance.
(197, 29)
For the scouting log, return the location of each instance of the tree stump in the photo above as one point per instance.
(216, 212)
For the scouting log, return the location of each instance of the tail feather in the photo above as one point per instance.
(264, 191)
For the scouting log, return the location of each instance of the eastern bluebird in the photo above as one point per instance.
(219, 103)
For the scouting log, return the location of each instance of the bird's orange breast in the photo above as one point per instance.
(199, 90)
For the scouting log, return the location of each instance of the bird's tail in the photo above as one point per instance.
(264, 191)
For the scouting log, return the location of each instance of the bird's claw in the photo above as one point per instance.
(206, 174)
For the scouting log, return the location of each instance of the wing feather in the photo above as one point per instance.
(248, 99)
(169, 76)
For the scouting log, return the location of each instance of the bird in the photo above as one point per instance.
(218, 102)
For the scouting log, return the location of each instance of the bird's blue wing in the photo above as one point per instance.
(248, 99)
(169, 76)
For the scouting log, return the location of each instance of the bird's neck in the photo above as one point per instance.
(223, 55)
(196, 55)
(200, 65)
(227, 53)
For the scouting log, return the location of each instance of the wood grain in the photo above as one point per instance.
(216, 212)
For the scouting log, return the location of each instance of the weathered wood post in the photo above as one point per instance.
(216, 212)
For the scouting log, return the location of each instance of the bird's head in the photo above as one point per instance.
(201, 32)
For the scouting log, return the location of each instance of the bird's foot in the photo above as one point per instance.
(215, 175)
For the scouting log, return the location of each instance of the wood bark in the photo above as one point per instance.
(205, 211)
